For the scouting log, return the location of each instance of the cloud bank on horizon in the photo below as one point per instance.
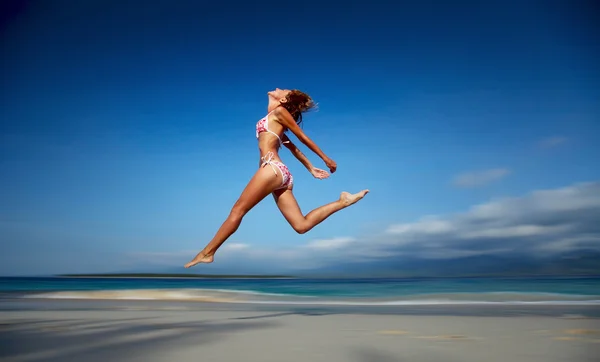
(542, 223)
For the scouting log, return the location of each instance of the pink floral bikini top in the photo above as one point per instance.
(263, 126)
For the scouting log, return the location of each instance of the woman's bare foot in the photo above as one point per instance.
(348, 199)
(200, 258)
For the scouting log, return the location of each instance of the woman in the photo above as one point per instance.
(285, 110)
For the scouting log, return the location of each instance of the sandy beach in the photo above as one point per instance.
(149, 331)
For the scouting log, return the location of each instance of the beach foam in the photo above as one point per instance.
(133, 294)
(253, 297)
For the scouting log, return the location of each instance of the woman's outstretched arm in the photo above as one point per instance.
(316, 172)
(285, 118)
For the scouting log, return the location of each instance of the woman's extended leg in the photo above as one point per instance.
(262, 183)
(291, 211)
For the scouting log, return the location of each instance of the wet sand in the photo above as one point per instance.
(170, 331)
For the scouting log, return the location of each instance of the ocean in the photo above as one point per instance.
(368, 291)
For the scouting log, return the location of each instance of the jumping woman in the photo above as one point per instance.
(285, 110)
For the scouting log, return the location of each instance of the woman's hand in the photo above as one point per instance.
(330, 164)
(318, 173)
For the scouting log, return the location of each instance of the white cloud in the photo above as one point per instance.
(551, 142)
(428, 225)
(546, 220)
(514, 231)
(330, 244)
(178, 257)
(235, 246)
(479, 178)
(162, 258)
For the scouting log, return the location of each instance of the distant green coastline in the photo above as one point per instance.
(150, 275)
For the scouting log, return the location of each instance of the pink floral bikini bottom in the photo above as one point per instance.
(288, 179)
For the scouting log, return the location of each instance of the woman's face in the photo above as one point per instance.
(279, 94)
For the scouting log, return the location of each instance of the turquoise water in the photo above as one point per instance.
(567, 290)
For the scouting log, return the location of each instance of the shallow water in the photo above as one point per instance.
(371, 291)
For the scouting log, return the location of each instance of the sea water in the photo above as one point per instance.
(364, 291)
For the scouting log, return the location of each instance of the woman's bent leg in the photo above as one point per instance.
(301, 224)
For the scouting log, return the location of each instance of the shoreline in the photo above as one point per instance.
(237, 297)
(213, 305)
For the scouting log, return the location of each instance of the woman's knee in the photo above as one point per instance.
(238, 212)
(301, 227)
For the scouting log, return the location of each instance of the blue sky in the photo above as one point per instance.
(128, 132)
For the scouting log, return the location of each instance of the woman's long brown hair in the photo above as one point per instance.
(298, 102)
